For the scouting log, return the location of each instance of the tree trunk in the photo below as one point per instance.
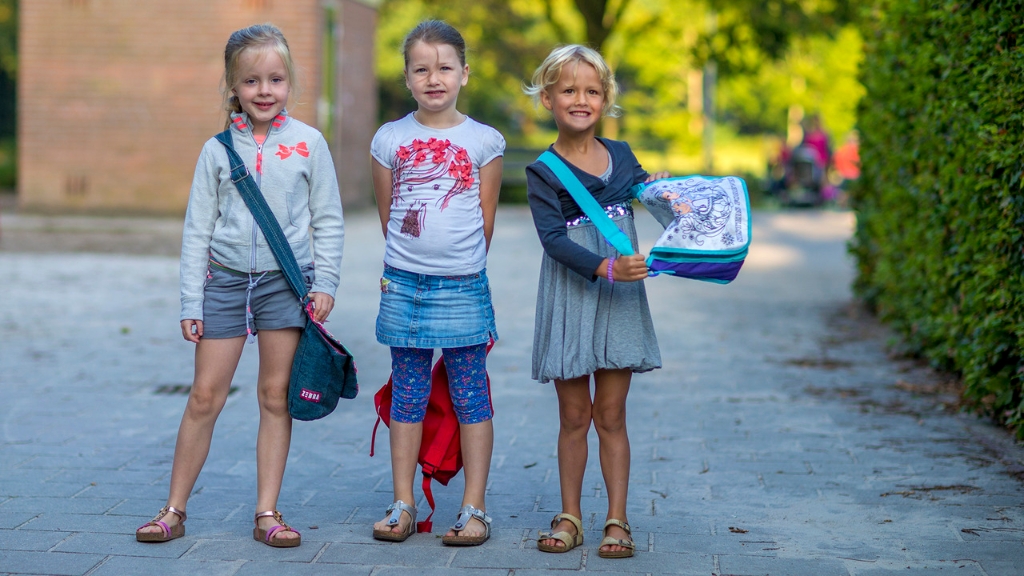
(593, 12)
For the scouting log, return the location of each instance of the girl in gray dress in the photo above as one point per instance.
(592, 315)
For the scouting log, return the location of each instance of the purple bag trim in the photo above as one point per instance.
(721, 272)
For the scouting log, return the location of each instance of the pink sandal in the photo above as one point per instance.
(169, 532)
(267, 536)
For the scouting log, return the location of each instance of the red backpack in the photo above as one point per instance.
(440, 455)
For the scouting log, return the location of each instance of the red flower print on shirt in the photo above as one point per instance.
(422, 162)
(286, 151)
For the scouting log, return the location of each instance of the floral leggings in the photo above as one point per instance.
(467, 383)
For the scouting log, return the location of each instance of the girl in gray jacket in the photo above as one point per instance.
(231, 285)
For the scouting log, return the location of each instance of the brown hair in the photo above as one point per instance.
(435, 32)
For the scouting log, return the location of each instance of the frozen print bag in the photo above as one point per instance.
(707, 226)
(706, 220)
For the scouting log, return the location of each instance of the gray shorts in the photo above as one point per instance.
(271, 302)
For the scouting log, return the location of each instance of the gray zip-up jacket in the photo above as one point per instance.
(295, 172)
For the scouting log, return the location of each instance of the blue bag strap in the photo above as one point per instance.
(617, 238)
(264, 217)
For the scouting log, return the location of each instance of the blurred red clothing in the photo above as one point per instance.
(817, 140)
(847, 160)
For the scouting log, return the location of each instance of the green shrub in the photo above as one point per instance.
(940, 227)
(514, 193)
(8, 164)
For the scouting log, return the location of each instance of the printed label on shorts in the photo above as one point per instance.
(310, 396)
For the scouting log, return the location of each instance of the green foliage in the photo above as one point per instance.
(817, 73)
(8, 164)
(9, 37)
(8, 92)
(651, 63)
(940, 232)
(750, 31)
(504, 44)
(8, 109)
(655, 48)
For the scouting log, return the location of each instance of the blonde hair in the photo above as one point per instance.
(550, 70)
(256, 37)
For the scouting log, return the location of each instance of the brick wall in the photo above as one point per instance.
(116, 97)
(356, 103)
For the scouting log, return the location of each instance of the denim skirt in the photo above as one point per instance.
(424, 311)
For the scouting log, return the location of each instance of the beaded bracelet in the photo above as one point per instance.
(611, 262)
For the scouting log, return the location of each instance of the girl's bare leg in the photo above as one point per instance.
(477, 446)
(277, 351)
(405, 449)
(574, 415)
(610, 389)
(216, 360)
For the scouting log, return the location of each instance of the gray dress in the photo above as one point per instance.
(582, 326)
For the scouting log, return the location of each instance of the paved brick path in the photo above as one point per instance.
(780, 438)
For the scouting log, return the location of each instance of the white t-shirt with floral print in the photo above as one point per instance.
(436, 224)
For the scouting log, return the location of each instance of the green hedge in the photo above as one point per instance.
(8, 164)
(940, 207)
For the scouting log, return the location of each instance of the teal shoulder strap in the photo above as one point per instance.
(617, 238)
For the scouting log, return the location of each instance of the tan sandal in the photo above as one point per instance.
(267, 536)
(467, 513)
(570, 540)
(609, 541)
(169, 532)
(395, 510)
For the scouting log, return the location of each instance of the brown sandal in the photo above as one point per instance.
(267, 536)
(169, 532)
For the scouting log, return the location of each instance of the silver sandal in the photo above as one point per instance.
(395, 510)
(467, 513)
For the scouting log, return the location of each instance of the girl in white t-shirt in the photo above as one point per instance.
(436, 176)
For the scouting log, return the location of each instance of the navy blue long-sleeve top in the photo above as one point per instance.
(552, 205)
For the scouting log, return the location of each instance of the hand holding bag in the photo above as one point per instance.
(706, 219)
(323, 370)
(707, 226)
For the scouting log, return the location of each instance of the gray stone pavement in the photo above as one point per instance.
(780, 437)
